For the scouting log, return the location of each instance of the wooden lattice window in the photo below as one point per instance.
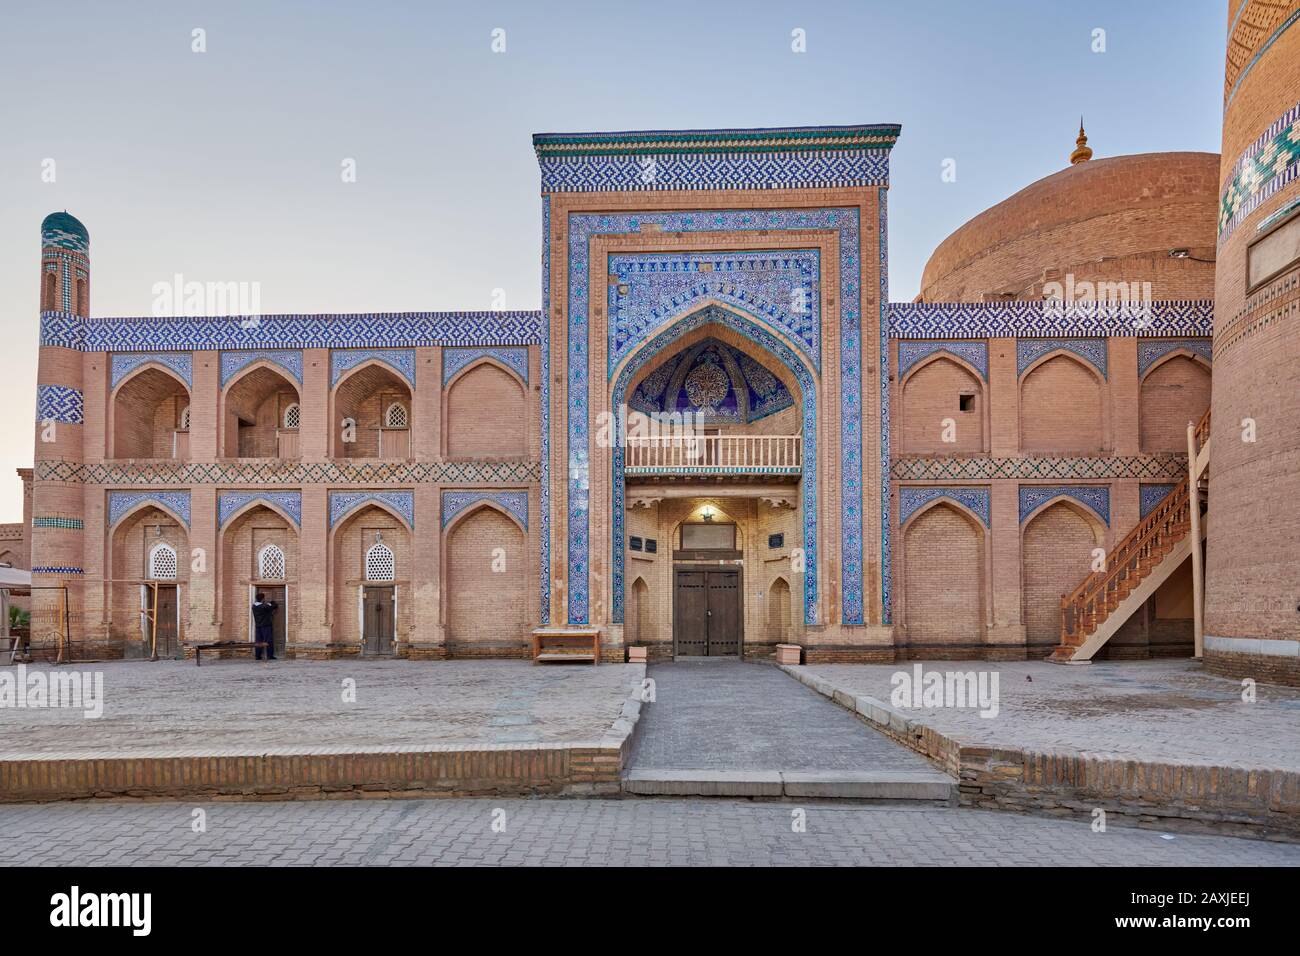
(293, 416)
(270, 563)
(380, 563)
(162, 562)
(396, 416)
(185, 419)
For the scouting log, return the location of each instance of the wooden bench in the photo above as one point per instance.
(225, 645)
(566, 644)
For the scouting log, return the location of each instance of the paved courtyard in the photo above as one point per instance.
(240, 706)
(589, 832)
(1168, 711)
(729, 715)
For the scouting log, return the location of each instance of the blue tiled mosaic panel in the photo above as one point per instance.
(1266, 166)
(581, 228)
(1152, 495)
(290, 360)
(401, 361)
(455, 502)
(182, 363)
(781, 288)
(1151, 351)
(987, 320)
(289, 502)
(1095, 497)
(912, 351)
(512, 357)
(43, 569)
(886, 559)
(808, 486)
(343, 503)
(544, 492)
(1092, 351)
(121, 502)
(361, 330)
(59, 403)
(738, 388)
(801, 170)
(911, 500)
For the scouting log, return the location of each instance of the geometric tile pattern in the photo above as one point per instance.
(733, 386)
(911, 351)
(886, 526)
(512, 357)
(120, 502)
(291, 473)
(182, 363)
(357, 330)
(781, 288)
(455, 502)
(288, 502)
(1266, 166)
(59, 403)
(544, 491)
(1095, 498)
(401, 361)
(1152, 350)
(72, 524)
(56, 570)
(984, 320)
(1170, 466)
(581, 228)
(1092, 351)
(911, 499)
(1149, 496)
(232, 363)
(343, 503)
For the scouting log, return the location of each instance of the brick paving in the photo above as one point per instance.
(458, 832)
(1170, 711)
(728, 715)
(240, 706)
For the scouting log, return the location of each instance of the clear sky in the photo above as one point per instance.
(225, 165)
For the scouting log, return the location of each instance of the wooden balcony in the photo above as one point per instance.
(714, 455)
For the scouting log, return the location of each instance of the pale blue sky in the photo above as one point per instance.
(224, 166)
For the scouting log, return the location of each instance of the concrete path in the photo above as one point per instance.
(723, 727)
(626, 832)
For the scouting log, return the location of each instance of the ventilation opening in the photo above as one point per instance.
(292, 416)
(162, 562)
(270, 564)
(380, 565)
(966, 402)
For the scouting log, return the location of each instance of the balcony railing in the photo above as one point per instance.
(714, 454)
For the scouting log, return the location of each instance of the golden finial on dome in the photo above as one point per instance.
(1081, 152)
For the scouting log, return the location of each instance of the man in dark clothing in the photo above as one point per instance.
(263, 619)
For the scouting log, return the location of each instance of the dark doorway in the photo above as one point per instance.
(706, 612)
(164, 608)
(279, 621)
(377, 618)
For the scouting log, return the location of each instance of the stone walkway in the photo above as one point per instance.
(458, 832)
(725, 715)
(240, 706)
(1160, 711)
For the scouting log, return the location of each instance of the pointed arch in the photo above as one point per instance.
(931, 402)
(1047, 424)
(944, 581)
(1057, 542)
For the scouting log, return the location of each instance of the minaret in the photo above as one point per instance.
(58, 503)
(1082, 153)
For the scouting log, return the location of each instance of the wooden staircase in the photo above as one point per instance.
(1139, 564)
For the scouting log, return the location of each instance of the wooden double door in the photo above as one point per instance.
(378, 620)
(707, 619)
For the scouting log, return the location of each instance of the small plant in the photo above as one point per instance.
(18, 618)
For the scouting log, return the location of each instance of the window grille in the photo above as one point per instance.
(292, 415)
(162, 562)
(380, 564)
(270, 563)
(395, 417)
(185, 418)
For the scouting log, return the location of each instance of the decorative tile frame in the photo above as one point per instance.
(122, 502)
(344, 503)
(886, 531)
(292, 473)
(1169, 465)
(229, 502)
(239, 333)
(1096, 498)
(771, 285)
(123, 364)
(58, 521)
(513, 357)
(399, 361)
(1151, 351)
(60, 403)
(457, 502)
(913, 351)
(1151, 495)
(582, 226)
(232, 363)
(991, 320)
(912, 499)
(56, 570)
(669, 380)
(1264, 167)
(1092, 351)
(544, 492)
(765, 339)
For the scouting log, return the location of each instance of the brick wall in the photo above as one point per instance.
(1061, 408)
(485, 415)
(932, 396)
(1173, 393)
(487, 608)
(1056, 555)
(943, 584)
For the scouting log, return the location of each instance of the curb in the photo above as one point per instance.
(884, 785)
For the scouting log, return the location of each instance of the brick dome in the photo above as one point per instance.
(1109, 219)
(64, 230)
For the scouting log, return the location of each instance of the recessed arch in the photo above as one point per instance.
(479, 505)
(944, 581)
(145, 409)
(932, 413)
(253, 404)
(1057, 544)
(485, 412)
(1175, 390)
(485, 360)
(362, 397)
(1048, 424)
(486, 599)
